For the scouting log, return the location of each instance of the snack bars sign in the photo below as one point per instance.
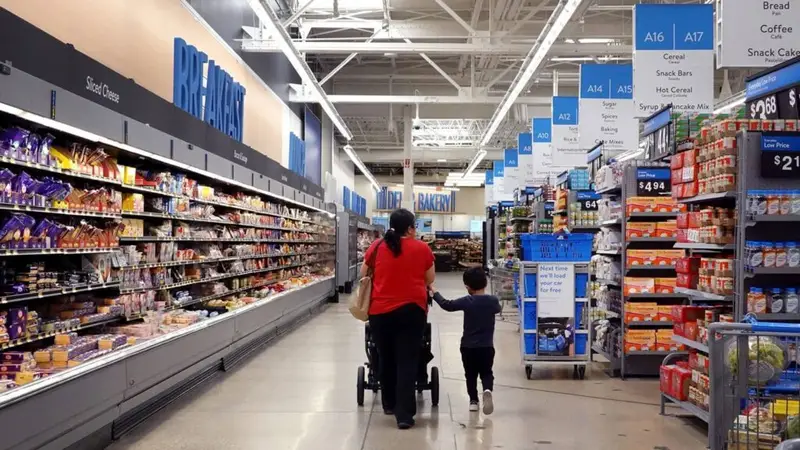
(673, 59)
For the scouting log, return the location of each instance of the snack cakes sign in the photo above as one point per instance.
(219, 102)
(427, 201)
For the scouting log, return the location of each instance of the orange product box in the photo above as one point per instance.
(676, 162)
(640, 229)
(641, 257)
(639, 340)
(666, 204)
(689, 157)
(677, 190)
(667, 229)
(664, 313)
(664, 342)
(676, 176)
(640, 204)
(665, 377)
(665, 285)
(668, 257)
(632, 285)
(641, 312)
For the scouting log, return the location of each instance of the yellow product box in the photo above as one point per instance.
(667, 229)
(64, 339)
(128, 175)
(664, 342)
(641, 257)
(640, 340)
(205, 192)
(132, 201)
(664, 313)
(633, 285)
(665, 285)
(640, 312)
(640, 204)
(666, 204)
(668, 257)
(42, 356)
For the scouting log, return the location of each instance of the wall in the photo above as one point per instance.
(136, 40)
(344, 175)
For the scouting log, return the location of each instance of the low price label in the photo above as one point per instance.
(653, 182)
(588, 200)
(780, 105)
(548, 210)
(780, 155)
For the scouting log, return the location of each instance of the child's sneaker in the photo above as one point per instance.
(473, 405)
(488, 404)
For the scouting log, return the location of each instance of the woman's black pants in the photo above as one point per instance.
(398, 338)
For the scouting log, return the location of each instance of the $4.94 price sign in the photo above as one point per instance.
(780, 105)
(780, 155)
(653, 182)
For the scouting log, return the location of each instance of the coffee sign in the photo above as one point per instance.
(758, 33)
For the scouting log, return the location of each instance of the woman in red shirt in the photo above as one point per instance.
(403, 270)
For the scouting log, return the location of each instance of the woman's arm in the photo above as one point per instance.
(430, 275)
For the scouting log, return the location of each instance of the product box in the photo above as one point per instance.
(132, 228)
(676, 176)
(641, 312)
(686, 280)
(676, 162)
(641, 257)
(666, 229)
(665, 379)
(128, 175)
(689, 173)
(640, 340)
(132, 201)
(687, 264)
(666, 204)
(640, 204)
(664, 342)
(681, 378)
(668, 257)
(633, 285)
(677, 190)
(664, 313)
(640, 229)
(665, 285)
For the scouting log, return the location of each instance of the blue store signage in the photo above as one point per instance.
(542, 130)
(220, 102)
(565, 110)
(611, 81)
(524, 142)
(674, 27)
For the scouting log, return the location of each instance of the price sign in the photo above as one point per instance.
(549, 207)
(780, 155)
(787, 103)
(662, 142)
(764, 108)
(653, 182)
(587, 200)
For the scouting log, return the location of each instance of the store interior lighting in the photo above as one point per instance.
(538, 53)
(474, 164)
(66, 128)
(465, 180)
(357, 161)
(729, 103)
(268, 17)
(430, 186)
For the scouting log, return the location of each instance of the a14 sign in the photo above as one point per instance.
(599, 89)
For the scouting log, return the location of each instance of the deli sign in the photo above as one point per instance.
(206, 91)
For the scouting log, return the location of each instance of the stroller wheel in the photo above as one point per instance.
(360, 386)
(435, 386)
(528, 372)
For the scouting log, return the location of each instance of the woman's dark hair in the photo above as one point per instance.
(399, 223)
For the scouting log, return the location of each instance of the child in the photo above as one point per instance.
(477, 342)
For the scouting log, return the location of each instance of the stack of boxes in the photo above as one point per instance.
(708, 226)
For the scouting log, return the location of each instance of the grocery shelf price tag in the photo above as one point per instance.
(780, 155)
(764, 108)
(653, 182)
(549, 207)
(587, 200)
(787, 103)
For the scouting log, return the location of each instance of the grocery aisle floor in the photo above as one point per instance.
(299, 394)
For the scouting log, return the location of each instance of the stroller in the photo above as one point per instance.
(368, 373)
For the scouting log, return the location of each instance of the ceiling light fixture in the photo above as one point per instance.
(729, 103)
(267, 16)
(475, 161)
(357, 161)
(555, 25)
(596, 40)
(441, 160)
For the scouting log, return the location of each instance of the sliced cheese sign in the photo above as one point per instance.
(673, 59)
(606, 105)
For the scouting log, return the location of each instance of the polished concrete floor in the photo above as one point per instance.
(299, 394)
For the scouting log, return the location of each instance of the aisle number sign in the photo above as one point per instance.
(525, 149)
(567, 150)
(758, 33)
(542, 151)
(488, 191)
(606, 106)
(511, 179)
(673, 59)
(498, 193)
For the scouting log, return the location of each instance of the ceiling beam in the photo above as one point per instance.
(442, 48)
(412, 99)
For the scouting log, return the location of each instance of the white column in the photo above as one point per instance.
(555, 83)
(408, 162)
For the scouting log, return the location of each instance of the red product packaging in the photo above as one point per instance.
(690, 189)
(689, 173)
(677, 191)
(665, 374)
(689, 264)
(682, 235)
(683, 220)
(677, 176)
(695, 219)
(689, 158)
(676, 162)
(686, 280)
(680, 383)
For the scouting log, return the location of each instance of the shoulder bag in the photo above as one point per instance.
(359, 303)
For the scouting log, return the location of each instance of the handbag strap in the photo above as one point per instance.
(372, 258)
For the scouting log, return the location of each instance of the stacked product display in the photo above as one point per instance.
(166, 250)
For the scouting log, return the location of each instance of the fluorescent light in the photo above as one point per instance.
(357, 161)
(596, 40)
(729, 103)
(628, 155)
(66, 128)
(475, 161)
(587, 58)
(267, 16)
(441, 160)
(569, 41)
(563, 14)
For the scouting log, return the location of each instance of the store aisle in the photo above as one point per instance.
(299, 394)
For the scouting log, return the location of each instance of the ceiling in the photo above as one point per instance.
(435, 70)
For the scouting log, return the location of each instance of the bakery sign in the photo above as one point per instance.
(206, 91)
(424, 200)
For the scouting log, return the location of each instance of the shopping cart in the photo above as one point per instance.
(504, 284)
(754, 376)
